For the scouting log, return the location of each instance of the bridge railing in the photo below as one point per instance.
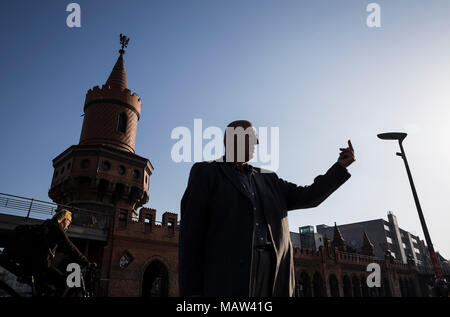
(39, 209)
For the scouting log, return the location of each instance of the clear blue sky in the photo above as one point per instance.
(312, 68)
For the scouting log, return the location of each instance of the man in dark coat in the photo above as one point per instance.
(234, 233)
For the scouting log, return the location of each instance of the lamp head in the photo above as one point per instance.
(400, 136)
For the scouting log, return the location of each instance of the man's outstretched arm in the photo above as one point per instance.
(300, 197)
(192, 232)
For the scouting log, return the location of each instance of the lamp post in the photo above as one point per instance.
(400, 137)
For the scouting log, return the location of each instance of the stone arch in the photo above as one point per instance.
(407, 288)
(155, 278)
(356, 286)
(318, 285)
(333, 283)
(347, 286)
(412, 289)
(387, 288)
(305, 282)
(364, 287)
(297, 291)
(402, 287)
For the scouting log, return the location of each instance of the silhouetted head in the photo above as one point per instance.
(240, 141)
(64, 217)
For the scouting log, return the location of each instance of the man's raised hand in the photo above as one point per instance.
(347, 155)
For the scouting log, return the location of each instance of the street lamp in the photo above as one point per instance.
(399, 136)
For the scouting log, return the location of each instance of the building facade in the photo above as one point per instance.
(306, 238)
(385, 235)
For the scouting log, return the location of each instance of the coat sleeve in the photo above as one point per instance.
(302, 197)
(192, 233)
(64, 242)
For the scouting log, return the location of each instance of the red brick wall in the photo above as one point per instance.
(101, 117)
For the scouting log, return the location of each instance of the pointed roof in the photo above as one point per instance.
(338, 240)
(367, 240)
(118, 77)
(367, 247)
(337, 235)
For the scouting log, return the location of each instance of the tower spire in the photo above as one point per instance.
(118, 76)
(112, 111)
(338, 240)
(367, 247)
(124, 43)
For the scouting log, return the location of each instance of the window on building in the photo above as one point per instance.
(417, 251)
(386, 228)
(307, 229)
(404, 246)
(121, 169)
(389, 240)
(122, 122)
(171, 226)
(85, 163)
(106, 166)
(148, 223)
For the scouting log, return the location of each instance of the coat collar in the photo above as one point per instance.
(228, 170)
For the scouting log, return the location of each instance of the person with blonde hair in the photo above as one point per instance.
(64, 217)
(37, 251)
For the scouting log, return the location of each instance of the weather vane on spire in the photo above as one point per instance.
(124, 43)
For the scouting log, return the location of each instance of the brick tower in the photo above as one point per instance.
(102, 174)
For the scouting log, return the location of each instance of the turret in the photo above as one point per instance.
(367, 247)
(338, 240)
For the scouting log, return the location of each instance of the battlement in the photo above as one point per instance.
(107, 92)
(169, 219)
(305, 252)
(146, 227)
(147, 215)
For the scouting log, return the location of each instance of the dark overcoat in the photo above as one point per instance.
(217, 227)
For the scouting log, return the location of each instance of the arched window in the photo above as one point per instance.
(334, 285)
(364, 287)
(387, 288)
(122, 122)
(155, 280)
(305, 284)
(347, 285)
(356, 286)
(318, 286)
